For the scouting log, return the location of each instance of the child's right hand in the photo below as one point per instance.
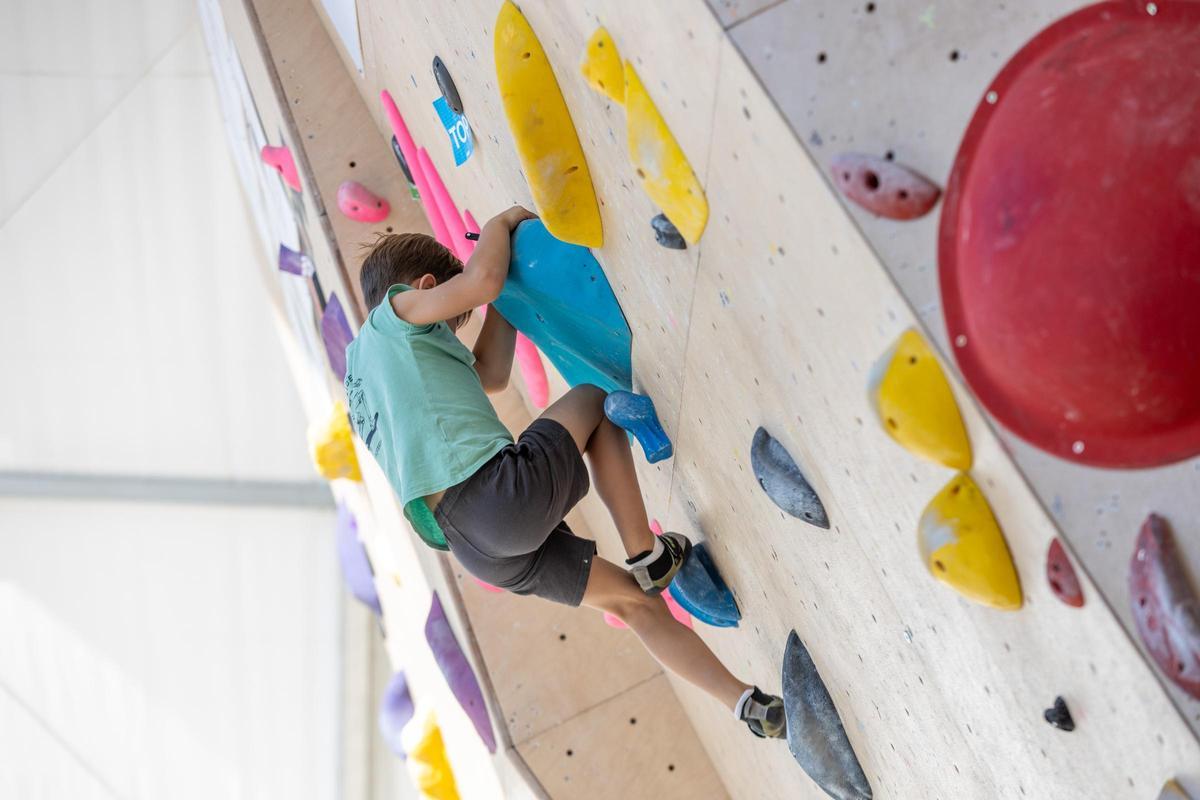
(513, 217)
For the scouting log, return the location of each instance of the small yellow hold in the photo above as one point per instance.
(666, 175)
(427, 764)
(544, 133)
(962, 546)
(332, 447)
(602, 66)
(915, 404)
(1173, 791)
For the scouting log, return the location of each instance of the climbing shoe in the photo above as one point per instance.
(655, 569)
(763, 714)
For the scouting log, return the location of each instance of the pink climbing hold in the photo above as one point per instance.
(409, 148)
(470, 224)
(359, 203)
(533, 372)
(456, 231)
(487, 586)
(281, 159)
(1166, 609)
(883, 187)
(1061, 575)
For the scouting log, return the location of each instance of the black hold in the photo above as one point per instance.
(815, 733)
(1060, 716)
(782, 480)
(396, 151)
(667, 234)
(446, 84)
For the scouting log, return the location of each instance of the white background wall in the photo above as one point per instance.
(147, 650)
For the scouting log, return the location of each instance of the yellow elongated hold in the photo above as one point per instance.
(962, 546)
(544, 133)
(428, 766)
(1171, 790)
(602, 66)
(666, 175)
(915, 405)
(332, 448)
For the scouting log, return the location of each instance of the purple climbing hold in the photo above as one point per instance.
(356, 566)
(699, 588)
(782, 480)
(635, 413)
(457, 671)
(336, 333)
(395, 710)
(815, 733)
(295, 262)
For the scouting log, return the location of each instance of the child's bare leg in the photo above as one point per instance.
(676, 646)
(581, 412)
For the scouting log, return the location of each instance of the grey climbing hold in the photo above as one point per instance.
(446, 84)
(1060, 716)
(815, 733)
(782, 480)
(667, 234)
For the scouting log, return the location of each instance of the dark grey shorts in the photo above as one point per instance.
(505, 523)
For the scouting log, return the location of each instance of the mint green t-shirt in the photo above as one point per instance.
(416, 401)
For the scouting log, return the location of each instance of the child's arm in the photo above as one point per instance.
(494, 351)
(479, 283)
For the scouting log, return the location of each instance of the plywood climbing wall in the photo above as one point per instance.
(773, 320)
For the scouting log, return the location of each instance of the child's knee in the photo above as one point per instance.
(638, 610)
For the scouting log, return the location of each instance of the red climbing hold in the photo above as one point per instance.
(883, 187)
(359, 203)
(1069, 248)
(1063, 580)
(281, 159)
(1165, 607)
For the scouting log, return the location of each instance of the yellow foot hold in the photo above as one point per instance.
(602, 66)
(428, 765)
(332, 448)
(666, 174)
(1173, 791)
(544, 133)
(915, 405)
(963, 547)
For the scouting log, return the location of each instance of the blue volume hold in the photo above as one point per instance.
(635, 413)
(698, 587)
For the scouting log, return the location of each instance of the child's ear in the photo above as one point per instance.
(426, 281)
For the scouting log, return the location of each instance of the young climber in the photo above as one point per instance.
(417, 398)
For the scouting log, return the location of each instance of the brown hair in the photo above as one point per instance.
(404, 258)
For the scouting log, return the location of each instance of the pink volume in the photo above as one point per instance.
(409, 148)
(359, 203)
(281, 159)
(441, 198)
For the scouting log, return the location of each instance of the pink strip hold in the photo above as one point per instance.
(359, 203)
(470, 224)
(488, 586)
(281, 159)
(613, 622)
(409, 148)
(533, 372)
(441, 197)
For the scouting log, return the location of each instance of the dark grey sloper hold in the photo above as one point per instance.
(782, 480)
(815, 733)
(667, 234)
(446, 84)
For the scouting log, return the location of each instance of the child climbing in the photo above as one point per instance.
(500, 504)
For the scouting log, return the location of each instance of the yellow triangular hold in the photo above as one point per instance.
(666, 175)
(427, 763)
(1173, 791)
(544, 133)
(915, 405)
(602, 66)
(962, 546)
(332, 448)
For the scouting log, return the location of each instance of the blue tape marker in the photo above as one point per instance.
(458, 129)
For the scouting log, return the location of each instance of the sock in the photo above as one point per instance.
(740, 706)
(647, 557)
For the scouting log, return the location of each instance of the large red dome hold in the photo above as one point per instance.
(1069, 250)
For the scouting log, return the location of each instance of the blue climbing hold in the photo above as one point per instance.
(557, 295)
(698, 587)
(782, 480)
(635, 413)
(815, 733)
